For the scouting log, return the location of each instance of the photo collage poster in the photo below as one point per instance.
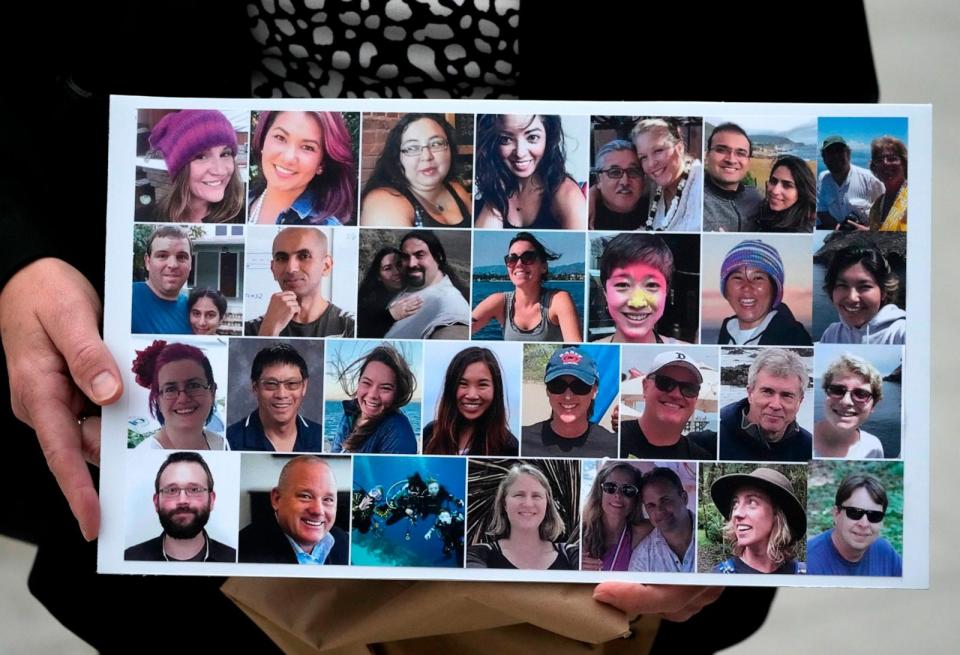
(505, 340)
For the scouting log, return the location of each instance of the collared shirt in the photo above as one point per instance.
(855, 196)
(653, 553)
(320, 551)
(248, 434)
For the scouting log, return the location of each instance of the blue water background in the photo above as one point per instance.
(389, 547)
(333, 414)
(483, 288)
(885, 421)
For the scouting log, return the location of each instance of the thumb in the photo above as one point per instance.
(75, 333)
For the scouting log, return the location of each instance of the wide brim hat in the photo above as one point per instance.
(774, 483)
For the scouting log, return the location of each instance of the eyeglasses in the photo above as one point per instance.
(725, 151)
(174, 492)
(527, 257)
(858, 395)
(855, 513)
(272, 385)
(890, 159)
(192, 389)
(414, 149)
(666, 384)
(628, 490)
(615, 173)
(577, 386)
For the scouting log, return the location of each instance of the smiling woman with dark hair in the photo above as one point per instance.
(522, 176)
(863, 287)
(531, 312)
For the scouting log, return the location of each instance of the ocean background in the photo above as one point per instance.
(333, 414)
(885, 421)
(483, 288)
(402, 544)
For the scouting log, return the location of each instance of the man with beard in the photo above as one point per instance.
(300, 262)
(670, 546)
(183, 497)
(617, 201)
(445, 313)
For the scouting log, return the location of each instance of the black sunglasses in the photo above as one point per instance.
(527, 257)
(576, 385)
(666, 384)
(855, 513)
(839, 391)
(628, 490)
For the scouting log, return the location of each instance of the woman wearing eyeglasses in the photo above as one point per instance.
(522, 176)
(852, 388)
(888, 161)
(414, 181)
(531, 312)
(182, 396)
(613, 522)
(572, 381)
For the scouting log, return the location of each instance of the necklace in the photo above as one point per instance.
(206, 549)
(255, 209)
(435, 205)
(669, 213)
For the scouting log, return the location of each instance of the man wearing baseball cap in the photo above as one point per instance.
(845, 192)
(572, 382)
(765, 522)
(670, 392)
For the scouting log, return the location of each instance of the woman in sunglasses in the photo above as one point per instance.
(852, 388)
(182, 396)
(613, 522)
(531, 312)
(414, 182)
(522, 176)
(572, 382)
(863, 288)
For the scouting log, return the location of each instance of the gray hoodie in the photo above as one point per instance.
(889, 326)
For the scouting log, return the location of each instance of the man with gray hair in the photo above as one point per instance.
(617, 201)
(763, 426)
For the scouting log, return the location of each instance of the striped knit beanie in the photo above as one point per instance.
(756, 254)
(182, 135)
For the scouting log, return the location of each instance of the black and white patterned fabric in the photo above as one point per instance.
(385, 49)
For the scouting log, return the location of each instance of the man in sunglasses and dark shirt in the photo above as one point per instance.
(670, 393)
(572, 381)
(853, 545)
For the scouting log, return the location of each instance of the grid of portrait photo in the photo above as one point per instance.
(396, 340)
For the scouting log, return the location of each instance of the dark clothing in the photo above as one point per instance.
(248, 434)
(422, 217)
(265, 543)
(767, 220)
(748, 445)
(633, 443)
(510, 449)
(539, 440)
(373, 315)
(489, 556)
(737, 565)
(783, 330)
(333, 322)
(152, 551)
(729, 211)
(605, 218)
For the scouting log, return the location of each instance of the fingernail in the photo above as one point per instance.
(104, 385)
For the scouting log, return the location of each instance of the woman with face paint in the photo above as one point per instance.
(531, 312)
(635, 271)
(751, 279)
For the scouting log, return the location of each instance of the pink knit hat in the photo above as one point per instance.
(182, 135)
